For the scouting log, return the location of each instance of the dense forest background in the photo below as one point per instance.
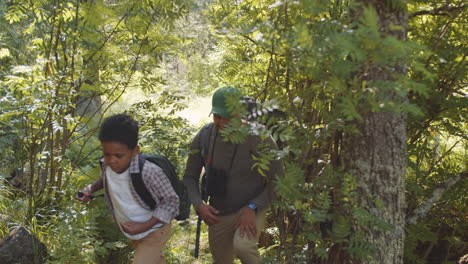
(374, 142)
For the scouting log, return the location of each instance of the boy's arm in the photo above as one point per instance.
(95, 186)
(133, 228)
(90, 189)
(167, 200)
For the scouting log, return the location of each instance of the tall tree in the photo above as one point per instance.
(376, 153)
(349, 79)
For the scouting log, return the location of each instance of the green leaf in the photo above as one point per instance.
(4, 52)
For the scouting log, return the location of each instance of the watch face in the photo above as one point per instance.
(252, 206)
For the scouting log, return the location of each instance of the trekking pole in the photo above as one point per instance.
(80, 194)
(204, 196)
(197, 238)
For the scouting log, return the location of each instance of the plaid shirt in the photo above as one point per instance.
(157, 183)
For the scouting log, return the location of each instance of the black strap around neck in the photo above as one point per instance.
(211, 157)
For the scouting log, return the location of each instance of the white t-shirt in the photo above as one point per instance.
(126, 208)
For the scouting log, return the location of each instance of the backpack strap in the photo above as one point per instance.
(205, 138)
(139, 185)
(204, 141)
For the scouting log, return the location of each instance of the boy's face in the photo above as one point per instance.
(117, 155)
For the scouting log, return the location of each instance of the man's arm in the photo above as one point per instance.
(276, 169)
(247, 220)
(192, 180)
(192, 172)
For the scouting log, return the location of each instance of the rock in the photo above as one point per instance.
(20, 247)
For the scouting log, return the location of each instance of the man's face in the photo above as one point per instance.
(220, 122)
(117, 155)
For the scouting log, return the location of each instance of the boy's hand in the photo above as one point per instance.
(208, 214)
(133, 228)
(84, 196)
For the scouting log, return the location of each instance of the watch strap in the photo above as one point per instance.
(252, 206)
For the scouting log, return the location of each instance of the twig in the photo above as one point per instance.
(443, 156)
(109, 36)
(441, 11)
(436, 195)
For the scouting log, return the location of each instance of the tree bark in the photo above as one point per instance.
(377, 158)
(376, 155)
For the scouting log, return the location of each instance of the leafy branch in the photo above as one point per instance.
(436, 195)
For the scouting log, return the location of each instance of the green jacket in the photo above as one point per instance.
(245, 184)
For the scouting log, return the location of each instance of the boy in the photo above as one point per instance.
(148, 229)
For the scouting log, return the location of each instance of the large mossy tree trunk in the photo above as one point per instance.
(377, 158)
(376, 154)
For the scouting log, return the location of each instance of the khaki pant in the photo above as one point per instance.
(148, 250)
(226, 242)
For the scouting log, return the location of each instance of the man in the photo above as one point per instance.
(239, 194)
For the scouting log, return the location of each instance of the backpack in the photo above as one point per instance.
(169, 170)
(262, 113)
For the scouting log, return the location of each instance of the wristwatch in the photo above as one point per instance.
(252, 206)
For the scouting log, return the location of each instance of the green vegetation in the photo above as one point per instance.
(357, 79)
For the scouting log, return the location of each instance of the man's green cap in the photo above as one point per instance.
(219, 106)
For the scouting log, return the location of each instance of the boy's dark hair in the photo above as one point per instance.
(120, 128)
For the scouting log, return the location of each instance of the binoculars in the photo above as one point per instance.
(216, 182)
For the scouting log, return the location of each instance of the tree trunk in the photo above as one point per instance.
(377, 158)
(376, 155)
